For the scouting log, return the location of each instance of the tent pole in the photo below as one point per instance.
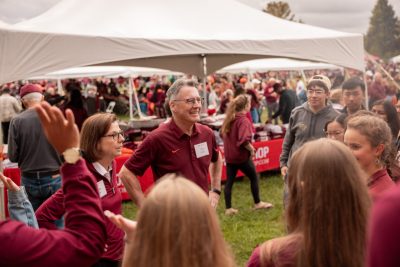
(205, 104)
(304, 76)
(130, 91)
(59, 87)
(366, 91)
(135, 96)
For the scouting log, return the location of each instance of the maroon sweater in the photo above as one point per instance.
(82, 241)
(53, 209)
(379, 182)
(236, 139)
(384, 231)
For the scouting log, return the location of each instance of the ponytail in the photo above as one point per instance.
(238, 104)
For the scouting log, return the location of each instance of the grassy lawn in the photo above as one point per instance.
(248, 228)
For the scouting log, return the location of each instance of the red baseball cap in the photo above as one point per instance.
(29, 88)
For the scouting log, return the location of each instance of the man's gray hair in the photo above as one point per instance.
(178, 85)
(33, 97)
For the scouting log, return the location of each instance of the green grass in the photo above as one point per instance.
(248, 228)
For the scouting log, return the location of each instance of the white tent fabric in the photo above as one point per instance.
(173, 34)
(395, 59)
(274, 64)
(104, 71)
(3, 24)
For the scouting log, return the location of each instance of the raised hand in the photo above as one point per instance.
(62, 133)
(128, 226)
(9, 184)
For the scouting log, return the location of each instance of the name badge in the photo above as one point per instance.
(201, 150)
(102, 188)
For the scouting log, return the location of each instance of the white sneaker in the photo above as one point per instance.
(262, 205)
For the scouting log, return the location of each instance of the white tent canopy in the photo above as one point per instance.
(104, 71)
(395, 59)
(173, 34)
(3, 24)
(275, 64)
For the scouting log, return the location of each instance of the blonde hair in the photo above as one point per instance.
(328, 227)
(178, 227)
(238, 104)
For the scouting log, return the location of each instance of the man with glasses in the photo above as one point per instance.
(307, 121)
(180, 146)
(353, 95)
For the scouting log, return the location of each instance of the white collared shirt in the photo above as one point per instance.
(102, 171)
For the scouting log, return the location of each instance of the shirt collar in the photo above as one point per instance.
(376, 176)
(178, 132)
(240, 114)
(101, 170)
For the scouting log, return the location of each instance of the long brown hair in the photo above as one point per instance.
(238, 104)
(93, 129)
(328, 208)
(178, 227)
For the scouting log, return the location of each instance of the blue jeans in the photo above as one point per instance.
(40, 189)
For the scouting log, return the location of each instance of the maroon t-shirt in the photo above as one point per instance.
(80, 243)
(234, 141)
(168, 150)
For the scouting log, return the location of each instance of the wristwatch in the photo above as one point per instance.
(71, 155)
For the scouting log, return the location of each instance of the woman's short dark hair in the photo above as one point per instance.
(93, 129)
(341, 119)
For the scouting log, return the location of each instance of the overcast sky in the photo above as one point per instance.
(342, 15)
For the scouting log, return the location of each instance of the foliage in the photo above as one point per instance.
(383, 37)
(244, 231)
(281, 10)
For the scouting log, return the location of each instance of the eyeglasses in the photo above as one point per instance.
(116, 135)
(316, 92)
(378, 109)
(333, 133)
(192, 101)
(378, 112)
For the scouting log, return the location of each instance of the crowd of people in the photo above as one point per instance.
(339, 164)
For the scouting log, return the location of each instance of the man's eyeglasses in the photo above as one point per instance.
(192, 101)
(116, 135)
(316, 92)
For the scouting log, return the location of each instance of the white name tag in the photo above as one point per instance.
(102, 189)
(201, 150)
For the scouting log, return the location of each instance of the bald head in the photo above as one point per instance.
(377, 77)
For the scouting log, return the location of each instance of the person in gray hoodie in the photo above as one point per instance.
(307, 121)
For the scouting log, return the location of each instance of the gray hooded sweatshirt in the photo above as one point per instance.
(304, 126)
